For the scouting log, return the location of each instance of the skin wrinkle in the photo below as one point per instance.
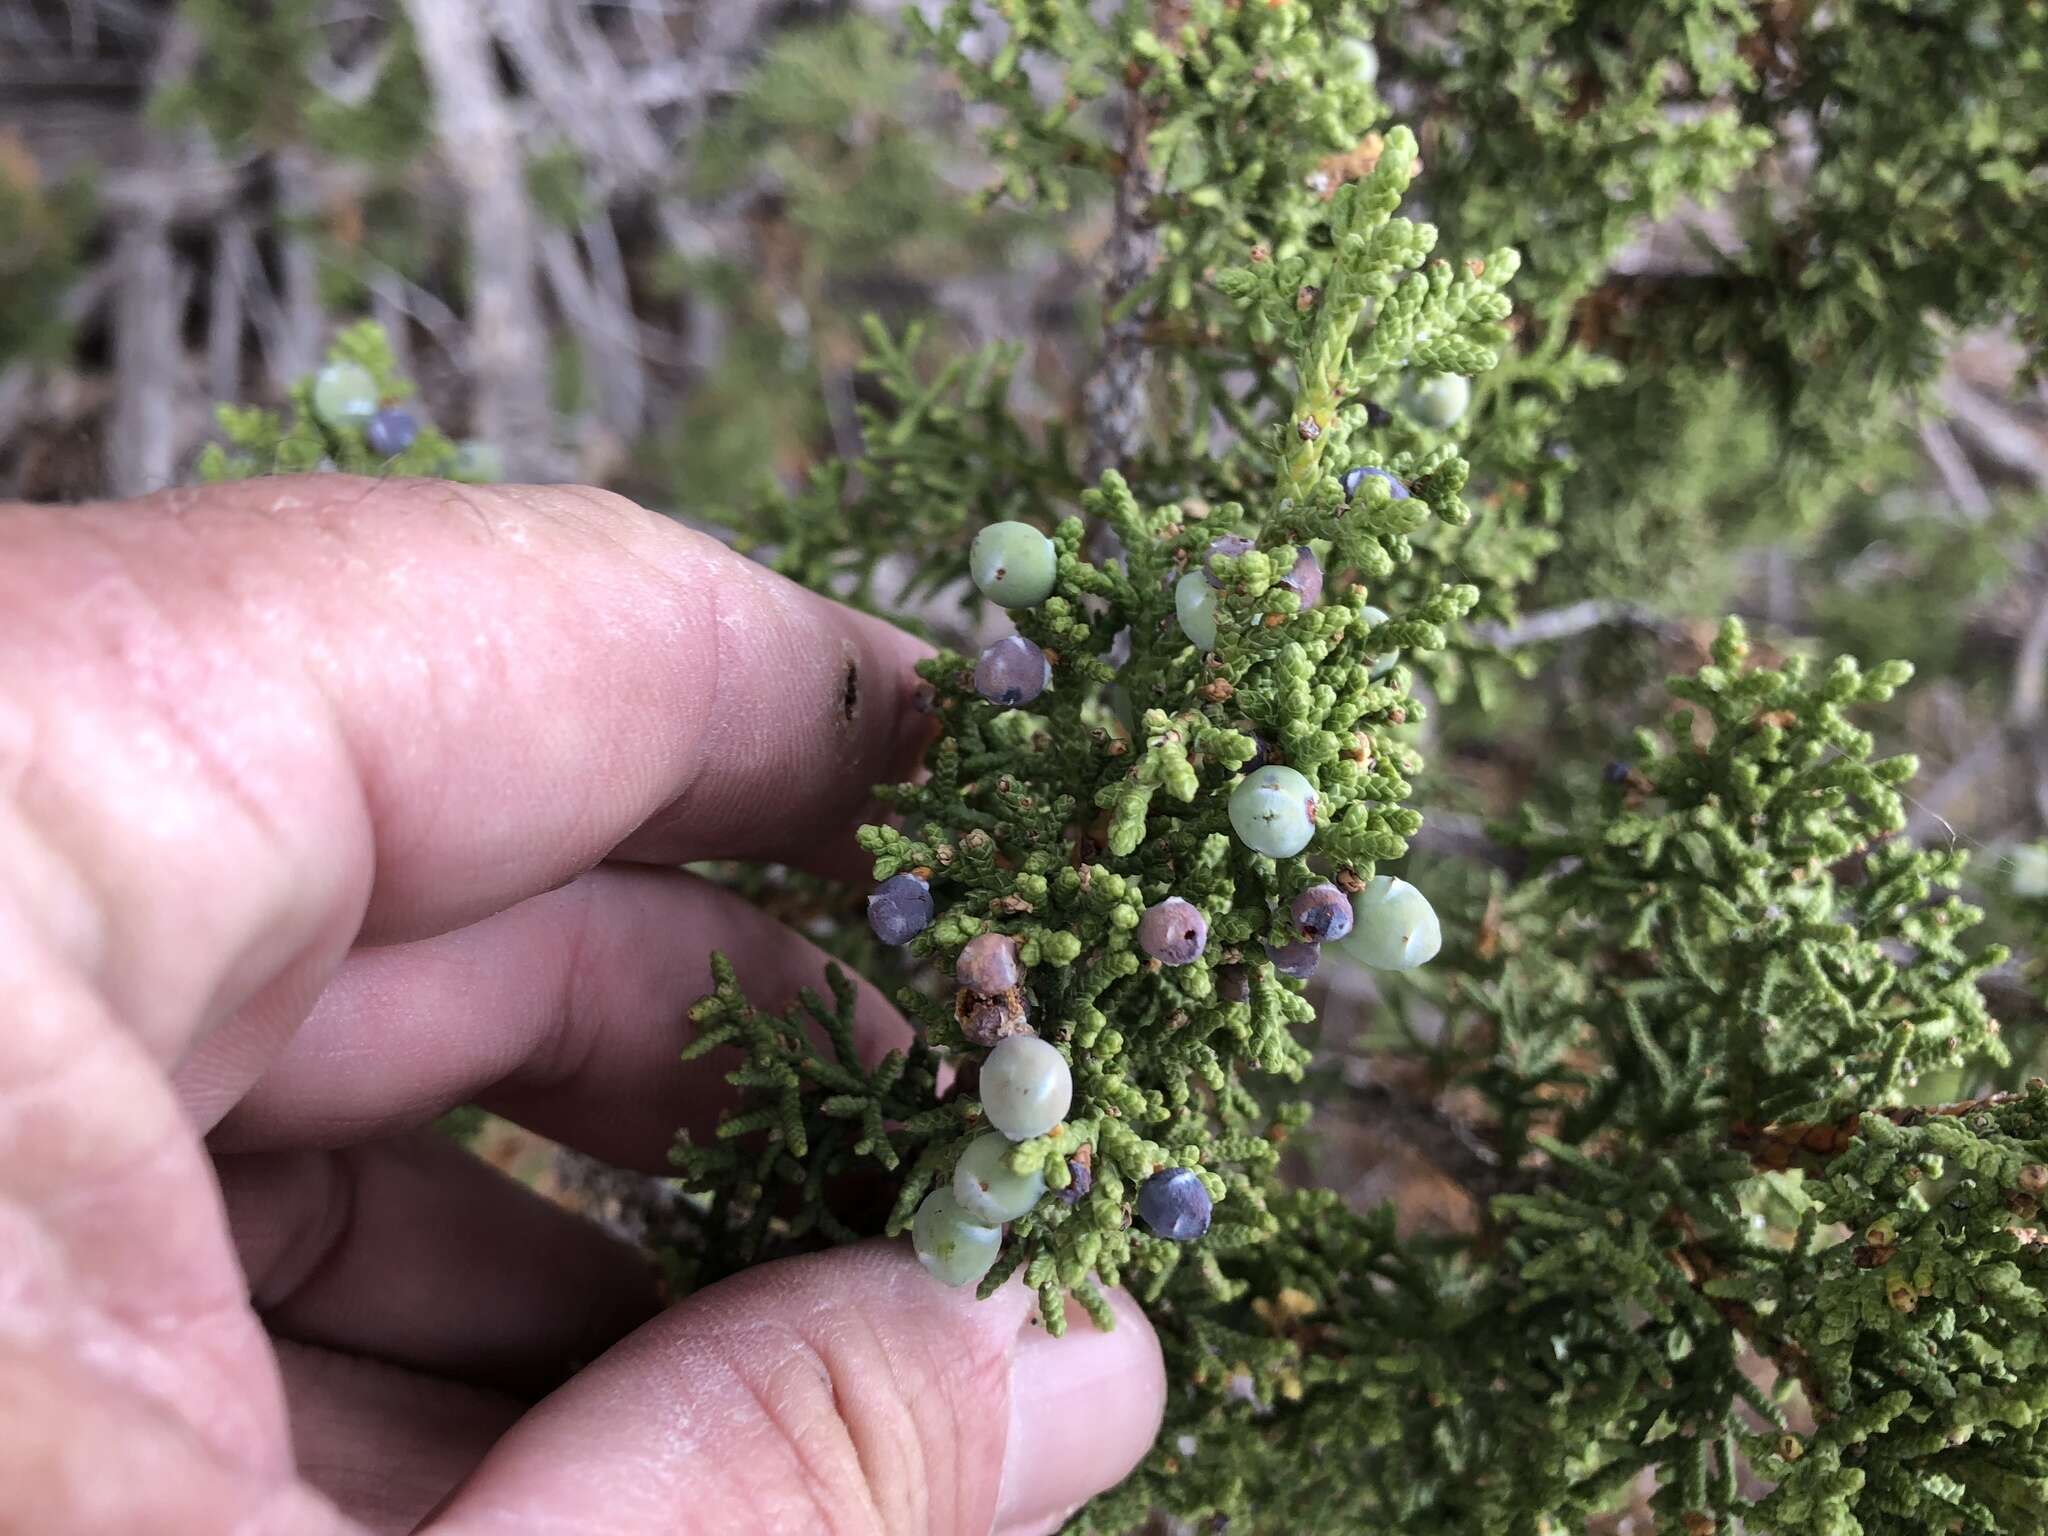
(367, 1053)
(696, 574)
(664, 800)
(970, 1402)
(150, 1352)
(60, 903)
(868, 1441)
(479, 1003)
(457, 695)
(248, 1424)
(29, 1102)
(94, 957)
(607, 514)
(199, 1360)
(143, 1334)
(569, 1046)
(894, 1481)
(713, 724)
(219, 1065)
(312, 1251)
(800, 1435)
(87, 1172)
(841, 1404)
(140, 638)
(967, 1368)
(425, 818)
(59, 1430)
(784, 1329)
(471, 501)
(153, 1163)
(36, 1278)
(440, 1264)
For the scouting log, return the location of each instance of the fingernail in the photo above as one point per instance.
(1083, 1410)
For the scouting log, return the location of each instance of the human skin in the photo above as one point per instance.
(327, 804)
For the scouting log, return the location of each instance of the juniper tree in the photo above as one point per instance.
(1719, 1249)
(1756, 1195)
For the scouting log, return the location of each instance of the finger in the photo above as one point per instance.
(87, 1456)
(845, 1392)
(295, 710)
(383, 1443)
(566, 1013)
(415, 1252)
(114, 1255)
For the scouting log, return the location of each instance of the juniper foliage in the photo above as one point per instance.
(1720, 1249)
(297, 440)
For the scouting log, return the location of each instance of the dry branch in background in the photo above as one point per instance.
(481, 151)
(1114, 396)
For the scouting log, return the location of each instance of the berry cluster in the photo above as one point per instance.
(1147, 812)
(345, 395)
(348, 416)
(1025, 1083)
(1014, 566)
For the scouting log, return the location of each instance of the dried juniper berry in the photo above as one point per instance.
(988, 964)
(986, 1017)
(1080, 1180)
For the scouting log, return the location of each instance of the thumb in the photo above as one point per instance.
(845, 1392)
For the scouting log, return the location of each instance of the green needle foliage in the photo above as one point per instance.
(1721, 1250)
(1720, 1254)
(1060, 825)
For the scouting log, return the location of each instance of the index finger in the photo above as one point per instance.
(296, 712)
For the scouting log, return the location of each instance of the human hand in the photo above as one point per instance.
(328, 804)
